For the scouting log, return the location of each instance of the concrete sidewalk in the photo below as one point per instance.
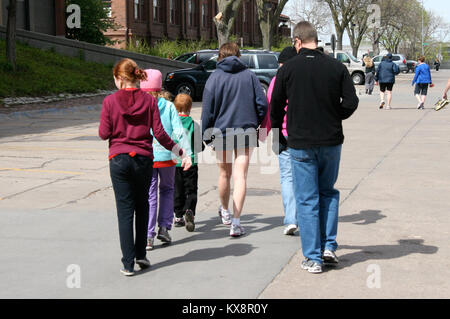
(57, 210)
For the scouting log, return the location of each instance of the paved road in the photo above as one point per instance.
(58, 215)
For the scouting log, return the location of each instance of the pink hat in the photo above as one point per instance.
(154, 81)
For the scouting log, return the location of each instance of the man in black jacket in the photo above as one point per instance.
(321, 94)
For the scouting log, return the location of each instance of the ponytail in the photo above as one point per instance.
(128, 70)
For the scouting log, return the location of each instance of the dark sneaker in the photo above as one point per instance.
(190, 225)
(381, 105)
(179, 222)
(127, 273)
(311, 266)
(163, 235)
(329, 257)
(143, 263)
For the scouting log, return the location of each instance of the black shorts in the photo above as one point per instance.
(386, 86)
(421, 89)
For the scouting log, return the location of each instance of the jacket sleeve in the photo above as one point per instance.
(178, 133)
(105, 127)
(396, 68)
(208, 106)
(278, 101)
(416, 75)
(266, 122)
(159, 133)
(260, 99)
(349, 98)
(377, 73)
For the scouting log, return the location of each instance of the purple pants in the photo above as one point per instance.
(166, 195)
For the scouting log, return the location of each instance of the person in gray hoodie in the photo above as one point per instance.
(234, 106)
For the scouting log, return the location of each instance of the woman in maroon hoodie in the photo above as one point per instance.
(126, 119)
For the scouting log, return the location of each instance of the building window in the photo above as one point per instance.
(157, 10)
(191, 13)
(174, 9)
(205, 15)
(139, 10)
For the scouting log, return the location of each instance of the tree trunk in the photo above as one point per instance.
(339, 37)
(266, 35)
(11, 34)
(225, 19)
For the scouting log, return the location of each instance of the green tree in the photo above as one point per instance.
(95, 20)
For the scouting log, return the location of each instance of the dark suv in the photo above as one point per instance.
(192, 81)
(197, 57)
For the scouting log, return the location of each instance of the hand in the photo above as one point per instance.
(431, 85)
(186, 163)
(376, 83)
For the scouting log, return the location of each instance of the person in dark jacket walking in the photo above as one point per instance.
(234, 105)
(385, 76)
(126, 119)
(314, 127)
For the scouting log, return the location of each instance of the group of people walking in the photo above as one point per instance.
(152, 140)
(384, 76)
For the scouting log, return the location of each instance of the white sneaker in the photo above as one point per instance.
(330, 257)
(237, 230)
(225, 216)
(388, 107)
(311, 266)
(290, 229)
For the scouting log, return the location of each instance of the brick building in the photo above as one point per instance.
(43, 16)
(152, 20)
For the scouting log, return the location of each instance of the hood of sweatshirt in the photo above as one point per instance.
(133, 103)
(231, 64)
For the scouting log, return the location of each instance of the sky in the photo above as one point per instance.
(440, 7)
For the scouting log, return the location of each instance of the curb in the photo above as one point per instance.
(54, 110)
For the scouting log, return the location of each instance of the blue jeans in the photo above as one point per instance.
(315, 171)
(287, 189)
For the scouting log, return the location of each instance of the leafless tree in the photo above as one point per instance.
(314, 11)
(268, 20)
(224, 20)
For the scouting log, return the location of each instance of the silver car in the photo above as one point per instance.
(398, 59)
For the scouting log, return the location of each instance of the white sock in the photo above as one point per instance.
(236, 221)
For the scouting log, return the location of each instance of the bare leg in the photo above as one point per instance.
(241, 163)
(389, 98)
(225, 172)
(418, 98)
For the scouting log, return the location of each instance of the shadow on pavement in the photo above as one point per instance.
(365, 217)
(404, 248)
(213, 229)
(205, 254)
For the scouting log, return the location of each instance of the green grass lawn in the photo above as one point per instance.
(41, 73)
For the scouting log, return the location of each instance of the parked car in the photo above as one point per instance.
(197, 57)
(353, 65)
(192, 81)
(411, 64)
(398, 59)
